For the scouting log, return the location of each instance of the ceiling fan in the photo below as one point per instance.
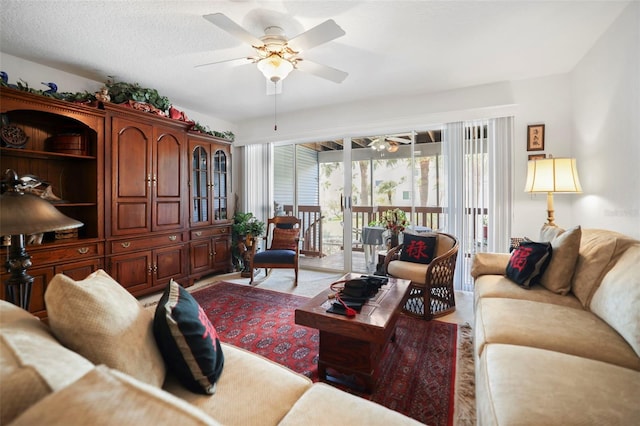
(390, 143)
(276, 55)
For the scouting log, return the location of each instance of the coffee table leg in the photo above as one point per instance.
(322, 370)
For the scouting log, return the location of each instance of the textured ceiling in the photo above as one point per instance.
(391, 48)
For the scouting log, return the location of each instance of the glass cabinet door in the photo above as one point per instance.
(220, 185)
(200, 185)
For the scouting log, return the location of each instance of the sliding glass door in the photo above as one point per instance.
(453, 178)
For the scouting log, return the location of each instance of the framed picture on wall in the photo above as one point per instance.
(537, 157)
(535, 137)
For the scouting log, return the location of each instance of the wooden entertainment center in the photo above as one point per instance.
(153, 196)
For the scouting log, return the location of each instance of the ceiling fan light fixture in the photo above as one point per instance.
(275, 68)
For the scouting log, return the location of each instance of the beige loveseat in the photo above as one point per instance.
(44, 382)
(566, 352)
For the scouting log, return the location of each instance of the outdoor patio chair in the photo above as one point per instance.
(283, 235)
(429, 261)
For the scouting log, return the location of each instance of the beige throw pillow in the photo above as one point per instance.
(565, 247)
(549, 232)
(102, 321)
(598, 248)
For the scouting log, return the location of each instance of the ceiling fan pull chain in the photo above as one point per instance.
(275, 107)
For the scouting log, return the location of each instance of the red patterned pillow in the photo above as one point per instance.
(418, 248)
(285, 239)
(528, 262)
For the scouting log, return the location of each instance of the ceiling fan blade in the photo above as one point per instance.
(323, 71)
(222, 21)
(398, 140)
(317, 35)
(236, 61)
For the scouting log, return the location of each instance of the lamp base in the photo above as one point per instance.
(551, 220)
(20, 282)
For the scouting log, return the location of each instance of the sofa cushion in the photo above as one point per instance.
(528, 262)
(553, 327)
(252, 390)
(418, 248)
(565, 246)
(187, 340)
(32, 362)
(416, 272)
(345, 409)
(489, 264)
(617, 300)
(518, 385)
(108, 397)
(487, 286)
(597, 250)
(102, 321)
(21, 388)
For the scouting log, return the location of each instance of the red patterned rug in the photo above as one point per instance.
(417, 373)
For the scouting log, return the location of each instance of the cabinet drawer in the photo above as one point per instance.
(129, 245)
(61, 254)
(210, 232)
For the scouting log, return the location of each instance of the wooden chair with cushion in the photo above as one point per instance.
(429, 261)
(283, 234)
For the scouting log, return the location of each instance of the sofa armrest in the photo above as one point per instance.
(489, 264)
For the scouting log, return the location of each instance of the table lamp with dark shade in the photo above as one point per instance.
(23, 213)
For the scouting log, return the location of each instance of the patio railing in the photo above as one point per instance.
(432, 217)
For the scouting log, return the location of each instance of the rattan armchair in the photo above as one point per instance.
(431, 291)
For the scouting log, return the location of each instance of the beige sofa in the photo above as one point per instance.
(44, 382)
(566, 352)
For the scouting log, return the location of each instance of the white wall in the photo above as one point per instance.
(394, 114)
(606, 115)
(541, 101)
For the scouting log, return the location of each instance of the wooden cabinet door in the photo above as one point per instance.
(201, 254)
(200, 184)
(133, 270)
(79, 270)
(222, 253)
(168, 263)
(221, 182)
(168, 180)
(41, 279)
(131, 177)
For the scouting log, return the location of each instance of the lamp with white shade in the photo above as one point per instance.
(552, 175)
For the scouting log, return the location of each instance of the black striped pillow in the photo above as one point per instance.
(187, 340)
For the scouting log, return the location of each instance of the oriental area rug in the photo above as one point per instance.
(417, 371)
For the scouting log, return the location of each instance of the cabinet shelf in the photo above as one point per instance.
(44, 155)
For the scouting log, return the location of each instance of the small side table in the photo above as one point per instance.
(372, 237)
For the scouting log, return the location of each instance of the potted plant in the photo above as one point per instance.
(395, 221)
(246, 227)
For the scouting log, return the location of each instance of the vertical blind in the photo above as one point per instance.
(478, 171)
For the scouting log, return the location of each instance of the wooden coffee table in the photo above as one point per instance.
(350, 348)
